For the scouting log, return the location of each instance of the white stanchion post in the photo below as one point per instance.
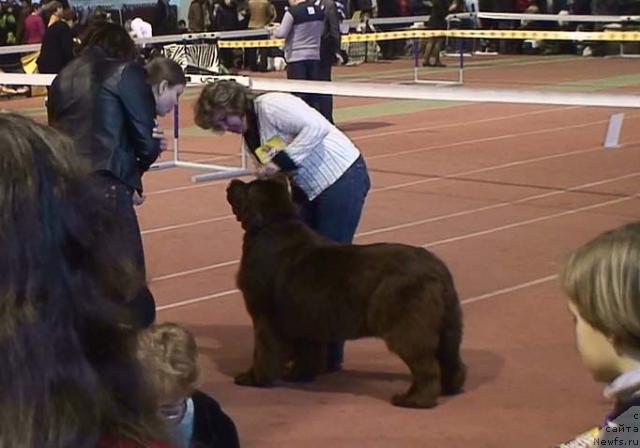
(243, 158)
(416, 59)
(176, 131)
(612, 138)
(461, 66)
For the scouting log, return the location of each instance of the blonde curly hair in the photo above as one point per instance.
(169, 354)
(219, 99)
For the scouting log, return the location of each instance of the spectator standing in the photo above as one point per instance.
(329, 48)
(57, 44)
(162, 18)
(196, 16)
(261, 14)
(301, 29)
(34, 26)
(226, 19)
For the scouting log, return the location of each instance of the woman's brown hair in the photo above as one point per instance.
(220, 99)
(164, 69)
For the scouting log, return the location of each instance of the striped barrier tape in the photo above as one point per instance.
(608, 36)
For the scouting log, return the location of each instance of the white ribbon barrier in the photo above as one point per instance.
(373, 90)
(545, 17)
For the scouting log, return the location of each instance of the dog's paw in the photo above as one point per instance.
(248, 378)
(453, 384)
(294, 374)
(414, 401)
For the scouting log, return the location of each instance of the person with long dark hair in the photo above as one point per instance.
(107, 103)
(69, 375)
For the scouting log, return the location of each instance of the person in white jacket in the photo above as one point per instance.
(330, 180)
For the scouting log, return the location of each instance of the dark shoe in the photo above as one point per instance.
(331, 368)
(439, 64)
(427, 64)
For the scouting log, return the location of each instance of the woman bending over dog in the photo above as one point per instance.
(329, 176)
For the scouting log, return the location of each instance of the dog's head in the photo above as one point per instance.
(261, 201)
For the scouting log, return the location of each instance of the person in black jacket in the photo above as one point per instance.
(57, 44)
(437, 21)
(104, 101)
(226, 19)
(163, 20)
(329, 48)
(169, 355)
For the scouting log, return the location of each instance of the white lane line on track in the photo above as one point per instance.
(464, 301)
(414, 223)
(449, 240)
(513, 288)
(401, 131)
(406, 184)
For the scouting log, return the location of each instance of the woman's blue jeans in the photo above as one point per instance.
(335, 214)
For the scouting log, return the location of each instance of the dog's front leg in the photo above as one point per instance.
(268, 357)
(309, 359)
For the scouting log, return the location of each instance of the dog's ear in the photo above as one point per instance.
(233, 190)
(235, 183)
(235, 196)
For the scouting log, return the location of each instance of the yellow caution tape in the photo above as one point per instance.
(616, 36)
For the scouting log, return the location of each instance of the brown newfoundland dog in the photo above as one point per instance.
(303, 291)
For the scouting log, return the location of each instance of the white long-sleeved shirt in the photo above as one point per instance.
(321, 151)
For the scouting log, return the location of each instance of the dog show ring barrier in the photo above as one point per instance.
(615, 23)
(395, 91)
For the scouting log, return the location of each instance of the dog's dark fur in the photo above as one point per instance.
(303, 290)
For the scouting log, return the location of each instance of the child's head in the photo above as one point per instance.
(169, 353)
(602, 280)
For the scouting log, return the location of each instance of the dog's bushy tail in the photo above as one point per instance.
(453, 370)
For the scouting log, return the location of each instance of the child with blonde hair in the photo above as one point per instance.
(169, 353)
(602, 281)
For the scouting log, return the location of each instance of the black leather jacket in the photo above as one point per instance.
(107, 108)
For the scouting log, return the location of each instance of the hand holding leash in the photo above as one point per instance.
(267, 170)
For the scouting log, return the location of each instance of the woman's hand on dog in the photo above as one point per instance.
(267, 170)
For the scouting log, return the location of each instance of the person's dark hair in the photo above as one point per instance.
(69, 373)
(112, 38)
(98, 15)
(164, 69)
(54, 5)
(220, 99)
(69, 15)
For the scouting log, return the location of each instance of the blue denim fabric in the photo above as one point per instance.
(335, 213)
